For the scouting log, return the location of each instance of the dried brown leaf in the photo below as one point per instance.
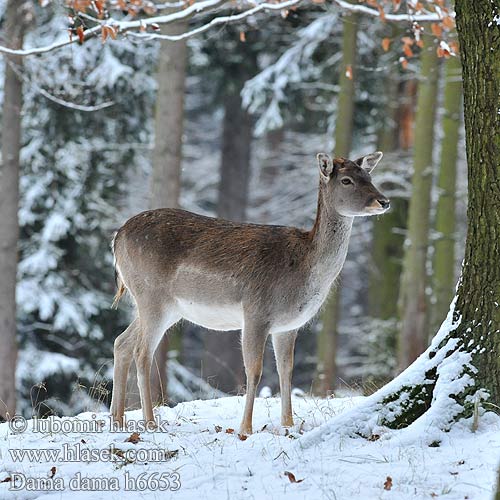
(81, 34)
(134, 438)
(291, 477)
(407, 51)
(448, 22)
(436, 30)
(388, 483)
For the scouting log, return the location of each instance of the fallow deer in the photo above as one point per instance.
(262, 279)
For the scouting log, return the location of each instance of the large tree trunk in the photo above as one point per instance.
(443, 275)
(413, 300)
(459, 374)
(222, 363)
(166, 176)
(479, 289)
(16, 20)
(326, 373)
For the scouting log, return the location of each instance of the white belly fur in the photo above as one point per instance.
(214, 317)
(230, 316)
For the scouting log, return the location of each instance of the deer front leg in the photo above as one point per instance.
(253, 344)
(123, 352)
(284, 344)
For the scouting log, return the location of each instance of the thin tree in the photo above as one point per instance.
(387, 245)
(17, 17)
(327, 340)
(413, 299)
(443, 275)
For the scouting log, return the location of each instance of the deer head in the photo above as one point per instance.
(347, 187)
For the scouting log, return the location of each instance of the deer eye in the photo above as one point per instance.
(346, 181)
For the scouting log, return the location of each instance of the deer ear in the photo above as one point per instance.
(325, 166)
(369, 162)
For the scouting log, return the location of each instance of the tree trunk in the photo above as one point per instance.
(16, 20)
(327, 339)
(387, 248)
(222, 364)
(444, 247)
(479, 288)
(235, 162)
(459, 374)
(325, 380)
(387, 244)
(413, 300)
(166, 178)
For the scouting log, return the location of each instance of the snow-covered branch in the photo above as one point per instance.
(362, 9)
(138, 26)
(121, 27)
(219, 20)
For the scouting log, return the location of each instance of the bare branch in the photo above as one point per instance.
(48, 48)
(196, 8)
(58, 100)
(218, 20)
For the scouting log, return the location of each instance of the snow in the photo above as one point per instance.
(212, 463)
(434, 423)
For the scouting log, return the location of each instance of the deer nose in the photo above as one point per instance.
(384, 202)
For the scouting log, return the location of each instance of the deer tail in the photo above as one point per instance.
(119, 293)
(121, 288)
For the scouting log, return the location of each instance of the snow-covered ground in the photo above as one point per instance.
(209, 460)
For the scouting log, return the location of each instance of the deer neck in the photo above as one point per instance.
(329, 239)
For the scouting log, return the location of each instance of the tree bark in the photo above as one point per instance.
(17, 17)
(479, 288)
(166, 177)
(326, 373)
(325, 380)
(444, 247)
(235, 162)
(413, 300)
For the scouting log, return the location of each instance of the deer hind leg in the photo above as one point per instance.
(253, 344)
(123, 351)
(284, 344)
(154, 321)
